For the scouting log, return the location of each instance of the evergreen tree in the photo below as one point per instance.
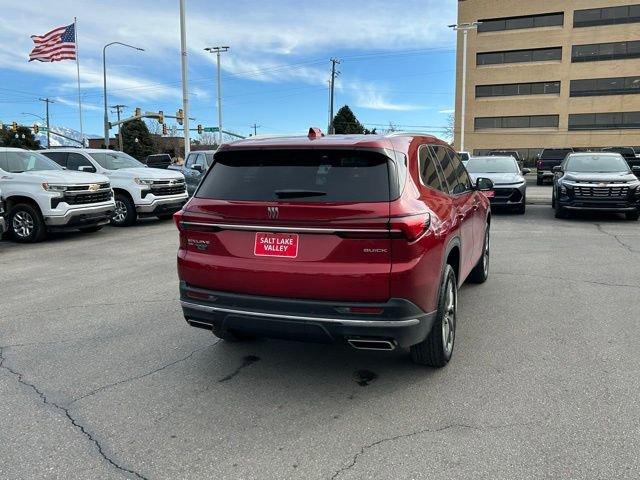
(345, 122)
(8, 138)
(136, 129)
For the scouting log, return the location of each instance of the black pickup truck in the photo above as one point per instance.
(628, 153)
(549, 158)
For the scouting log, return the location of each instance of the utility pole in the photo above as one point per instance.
(255, 129)
(464, 27)
(47, 102)
(185, 78)
(334, 73)
(218, 50)
(119, 109)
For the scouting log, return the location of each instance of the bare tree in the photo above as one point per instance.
(449, 128)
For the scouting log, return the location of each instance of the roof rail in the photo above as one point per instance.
(278, 135)
(406, 133)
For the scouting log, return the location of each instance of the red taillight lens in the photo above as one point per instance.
(177, 218)
(411, 227)
(539, 163)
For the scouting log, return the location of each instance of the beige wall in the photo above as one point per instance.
(562, 104)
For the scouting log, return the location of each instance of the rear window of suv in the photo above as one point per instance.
(298, 176)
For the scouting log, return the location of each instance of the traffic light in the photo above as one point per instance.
(160, 116)
(200, 130)
(165, 130)
(138, 112)
(36, 128)
(14, 126)
(180, 116)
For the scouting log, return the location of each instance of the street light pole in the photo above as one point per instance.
(185, 78)
(218, 50)
(464, 27)
(104, 84)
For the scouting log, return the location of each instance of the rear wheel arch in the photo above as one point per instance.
(452, 256)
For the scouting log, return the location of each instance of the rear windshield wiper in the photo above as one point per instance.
(295, 193)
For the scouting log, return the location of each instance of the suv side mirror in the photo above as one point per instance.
(87, 168)
(526, 171)
(557, 169)
(197, 168)
(484, 184)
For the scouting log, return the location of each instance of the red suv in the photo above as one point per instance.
(357, 239)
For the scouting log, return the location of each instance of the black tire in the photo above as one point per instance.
(632, 215)
(231, 337)
(166, 216)
(539, 181)
(480, 272)
(521, 209)
(560, 211)
(25, 224)
(125, 214)
(95, 228)
(432, 351)
(553, 198)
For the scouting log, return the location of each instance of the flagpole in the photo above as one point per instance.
(75, 33)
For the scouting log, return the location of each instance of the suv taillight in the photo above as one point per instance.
(177, 219)
(539, 163)
(411, 227)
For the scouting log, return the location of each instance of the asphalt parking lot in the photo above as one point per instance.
(101, 377)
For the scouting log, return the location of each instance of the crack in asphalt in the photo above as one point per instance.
(575, 280)
(368, 446)
(624, 245)
(143, 375)
(20, 378)
(106, 304)
(246, 361)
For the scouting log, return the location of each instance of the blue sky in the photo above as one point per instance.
(398, 61)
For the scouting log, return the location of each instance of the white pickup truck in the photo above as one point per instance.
(139, 191)
(40, 196)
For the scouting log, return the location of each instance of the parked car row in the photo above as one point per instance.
(82, 189)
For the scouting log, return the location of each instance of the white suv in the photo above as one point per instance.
(139, 191)
(40, 196)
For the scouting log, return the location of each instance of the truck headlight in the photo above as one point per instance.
(54, 188)
(143, 181)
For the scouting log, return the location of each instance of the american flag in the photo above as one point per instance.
(58, 44)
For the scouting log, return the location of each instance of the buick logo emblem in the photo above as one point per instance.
(272, 213)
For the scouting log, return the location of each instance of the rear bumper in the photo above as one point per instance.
(401, 322)
(81, 217)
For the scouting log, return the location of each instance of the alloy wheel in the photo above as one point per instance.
(449, 318)
(120, 213)
(486, 252)
(23, 224)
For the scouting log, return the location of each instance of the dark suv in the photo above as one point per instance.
(362, 239)
(596, 181)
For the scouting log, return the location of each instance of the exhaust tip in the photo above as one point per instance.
(195, 323)
(371, 344)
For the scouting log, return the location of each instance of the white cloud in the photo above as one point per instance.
(447, 111)
(367, 95)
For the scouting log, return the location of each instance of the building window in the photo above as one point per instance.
(525, 121)
(513, 89)
(596, 52)
(606, 16)
(519, 56)
(517, 23)
(605, 86)
(604, 121)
